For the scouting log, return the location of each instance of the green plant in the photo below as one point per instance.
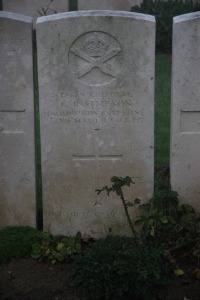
(16, 241)
(164, 11)
(163, 222)
(55, 249)
(116, 187)
(167, 223)
(45, 11)
(116, 267)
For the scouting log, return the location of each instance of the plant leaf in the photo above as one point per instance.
(139, 222)
(128, 203)
(128, 181)
(179, 272)
(114, 179)
(153, 231)
(198, 274)
(137, 201)
(98, 191)
(163, 219)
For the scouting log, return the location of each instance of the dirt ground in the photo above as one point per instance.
(27, 279)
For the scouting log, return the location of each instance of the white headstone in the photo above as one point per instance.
(185, 119)
(17, 153)
(96, 76)
(35, 8)
(124, 5)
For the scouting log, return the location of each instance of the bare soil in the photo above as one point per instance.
(27, 279)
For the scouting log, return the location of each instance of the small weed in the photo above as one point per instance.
(167, 223)
(55, 249)
(116, 187)
(45, 11)
(163, 223)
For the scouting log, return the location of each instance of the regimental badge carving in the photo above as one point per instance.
(95, 58)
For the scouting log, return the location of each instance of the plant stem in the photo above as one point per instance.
(126, 212)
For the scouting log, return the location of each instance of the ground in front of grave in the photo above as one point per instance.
(27, 279)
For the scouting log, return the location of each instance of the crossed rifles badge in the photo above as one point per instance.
(96, 51)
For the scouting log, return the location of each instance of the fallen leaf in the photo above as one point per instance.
(198, 274)
(179, 272)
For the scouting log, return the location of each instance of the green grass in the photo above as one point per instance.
(162, 109)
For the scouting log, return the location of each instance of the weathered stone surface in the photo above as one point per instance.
(96, 104)
(185, 119)
(35, 8)
(17, 153)
(107, 4)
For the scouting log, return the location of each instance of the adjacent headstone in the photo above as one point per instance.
(96, 86)
(185, 119)
(35, 8)
(17, 153)
(123, 5)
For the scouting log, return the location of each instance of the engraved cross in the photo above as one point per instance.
(2, 129)
(97, 157)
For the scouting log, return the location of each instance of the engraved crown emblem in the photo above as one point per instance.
(95, 46)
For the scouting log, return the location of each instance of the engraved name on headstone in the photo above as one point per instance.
(96, 105)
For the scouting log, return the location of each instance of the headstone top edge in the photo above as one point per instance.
(95, 13)
(17, 17)
(186, 17)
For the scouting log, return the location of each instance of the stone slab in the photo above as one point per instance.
(185, 117)
(17, 153)
(35, 8)
(121, 5)
(96, 86)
